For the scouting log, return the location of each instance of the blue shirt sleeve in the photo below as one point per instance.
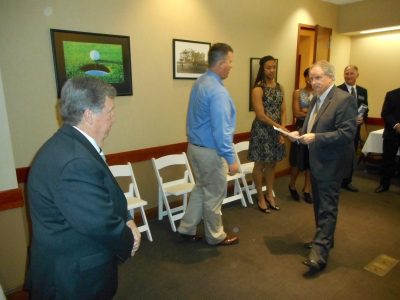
(223, 124)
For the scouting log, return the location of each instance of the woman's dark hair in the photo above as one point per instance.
(261, 74)
(306, 72)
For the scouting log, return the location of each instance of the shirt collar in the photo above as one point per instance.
(215, 75)
(90, 139)
(349, 87)
(324, 94)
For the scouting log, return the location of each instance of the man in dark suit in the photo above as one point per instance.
(391, 138)
(350, 77)
(329, 127)
(80, 222)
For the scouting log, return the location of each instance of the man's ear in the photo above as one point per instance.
(88, 116)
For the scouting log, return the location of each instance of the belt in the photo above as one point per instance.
(198, 145)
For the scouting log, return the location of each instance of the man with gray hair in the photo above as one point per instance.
(81, 227)
(329, 129)
(210, 127)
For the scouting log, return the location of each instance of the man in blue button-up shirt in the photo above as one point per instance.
(211, 123)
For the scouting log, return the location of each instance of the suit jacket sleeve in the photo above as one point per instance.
(90, 201)
(390, 109)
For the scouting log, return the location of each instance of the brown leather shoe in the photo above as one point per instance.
(230, 239)
(191, 238)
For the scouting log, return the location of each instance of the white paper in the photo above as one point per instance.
(292, 135)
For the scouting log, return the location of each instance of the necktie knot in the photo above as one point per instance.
(102, 154)
(317, 104)
(353, 91)
(313, 114)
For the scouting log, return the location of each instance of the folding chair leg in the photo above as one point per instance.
(146, 224)
(239, 192)
(160, 206)
(171, 220)
(247, 190)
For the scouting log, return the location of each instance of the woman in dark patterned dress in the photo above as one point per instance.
(267, 146)
(298, 155)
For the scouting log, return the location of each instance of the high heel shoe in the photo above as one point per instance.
(307, 198)
(264, 210)
(295, 195)
(276, 207)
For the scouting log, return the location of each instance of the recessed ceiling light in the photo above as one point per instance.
(380, 29)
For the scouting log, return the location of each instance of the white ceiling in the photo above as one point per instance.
(341, 2)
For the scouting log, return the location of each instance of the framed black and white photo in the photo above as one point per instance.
(190, 58)
(92, 54)
(254, 66)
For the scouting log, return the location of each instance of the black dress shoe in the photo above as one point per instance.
(191, 238)
(308, 245)
(307, 198)
(230, 239)
(294, 193)
(381, 189)
(350, 187)
(313, 265)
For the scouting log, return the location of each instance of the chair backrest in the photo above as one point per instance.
(126, 171)
(173, 160)
(243, 167)
(241, 146)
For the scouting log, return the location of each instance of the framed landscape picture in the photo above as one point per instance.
(92, 54)
(190, 58)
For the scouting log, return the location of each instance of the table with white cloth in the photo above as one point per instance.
(374, 142)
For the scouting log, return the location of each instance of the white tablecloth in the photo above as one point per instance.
(374, 141)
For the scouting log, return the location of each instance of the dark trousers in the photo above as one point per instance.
(390, 148)
(325, 202)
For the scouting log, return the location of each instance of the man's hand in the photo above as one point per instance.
(296, 133)
(136, 236)
(307, 138)
(233, 168)
(360, 120)
(397, 128)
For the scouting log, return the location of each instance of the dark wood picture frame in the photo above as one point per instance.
(254, 66)
(104, 56)
(190, 58)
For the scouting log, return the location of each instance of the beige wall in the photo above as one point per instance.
(377, 57)
(368, 14)
(155, 114)
(13, 233)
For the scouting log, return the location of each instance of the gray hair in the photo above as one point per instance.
(218, 52)
(354, 67)
(327, 68)
(81, 93)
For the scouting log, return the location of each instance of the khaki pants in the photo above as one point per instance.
(205, 201)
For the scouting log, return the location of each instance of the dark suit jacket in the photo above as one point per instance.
(335, 126)
(391, 113)
(362, 96)
(79, 217)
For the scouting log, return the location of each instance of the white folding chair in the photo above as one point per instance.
(133, 196)
(177, 187)
(237, 191)
(246, 168)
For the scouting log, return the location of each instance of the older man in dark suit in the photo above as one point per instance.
(391, 138)
(361, 94)
(329, 130)
(80, 223)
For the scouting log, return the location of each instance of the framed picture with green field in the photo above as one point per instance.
(92, 54)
